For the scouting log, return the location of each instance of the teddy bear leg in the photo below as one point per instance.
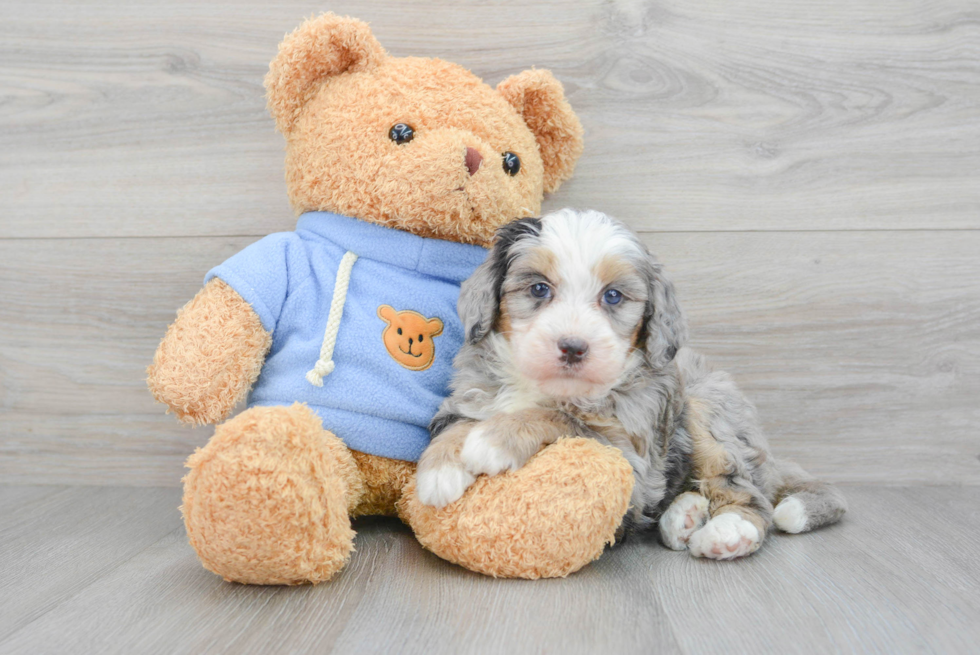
(547, 519)
(267, 500)
(384, 482)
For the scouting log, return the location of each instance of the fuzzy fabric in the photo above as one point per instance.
(547, 519)
(372, 400)
(384, 481)
(336, 99)
(540, 100)
(211, 355)
(267, 500)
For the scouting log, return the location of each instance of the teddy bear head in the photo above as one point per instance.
(417, 144)
(408, 337)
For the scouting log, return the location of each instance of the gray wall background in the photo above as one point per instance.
(809, 172)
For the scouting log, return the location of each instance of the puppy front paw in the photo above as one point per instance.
(726, 536)
(481, 454)
(443, 485)
(684, 517)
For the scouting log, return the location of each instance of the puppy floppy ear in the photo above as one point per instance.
(665, 327)
(479, 296)
(540, 100)
(319, 48)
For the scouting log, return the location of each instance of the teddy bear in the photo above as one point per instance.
(341, 334)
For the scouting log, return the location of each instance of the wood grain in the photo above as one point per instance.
(811, 176)
(893, 577)
(57, 542)
(148, 119)
(861, 349)
(885, 580)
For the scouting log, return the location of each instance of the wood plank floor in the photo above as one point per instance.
(99, 570)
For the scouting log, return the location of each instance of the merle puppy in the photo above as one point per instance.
(572, 328)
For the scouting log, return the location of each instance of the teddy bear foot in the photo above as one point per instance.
(547, 519)
(266, 501)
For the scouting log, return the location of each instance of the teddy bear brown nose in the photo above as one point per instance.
(473, 160)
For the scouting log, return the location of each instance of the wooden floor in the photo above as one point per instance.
(109, 570)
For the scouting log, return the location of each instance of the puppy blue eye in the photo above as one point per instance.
(612, 296)
(540, 290)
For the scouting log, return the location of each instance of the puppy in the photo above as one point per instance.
(572, 329)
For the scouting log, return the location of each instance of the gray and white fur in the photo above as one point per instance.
(573, 329)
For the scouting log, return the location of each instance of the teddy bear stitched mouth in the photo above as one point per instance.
(409, 352)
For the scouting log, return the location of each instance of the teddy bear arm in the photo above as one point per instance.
(210, 356)
(547, 519)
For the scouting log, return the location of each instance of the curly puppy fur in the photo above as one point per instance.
(574, 329)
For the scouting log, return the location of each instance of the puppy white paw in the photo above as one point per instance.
(683, 518)
(444, 485)
(481, 456)
(790, 515)
(726, 536)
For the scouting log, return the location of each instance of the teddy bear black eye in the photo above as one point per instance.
(401, 133)
(399, 330)
(512, 164)
(420, 338)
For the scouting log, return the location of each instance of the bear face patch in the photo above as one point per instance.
(408, 337)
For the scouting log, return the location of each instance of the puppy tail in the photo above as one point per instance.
(805, 503)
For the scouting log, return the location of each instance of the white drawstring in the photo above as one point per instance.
(325, 365)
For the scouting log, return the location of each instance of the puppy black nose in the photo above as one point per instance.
(473, 160)
(573, 350)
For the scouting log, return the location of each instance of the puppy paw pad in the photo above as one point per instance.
(726, 536)
(685, 515)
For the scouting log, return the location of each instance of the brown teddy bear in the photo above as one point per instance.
(344, 330)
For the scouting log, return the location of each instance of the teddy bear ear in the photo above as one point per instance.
(540, 100)
(319, 48)
(386, 313)
(434, 325)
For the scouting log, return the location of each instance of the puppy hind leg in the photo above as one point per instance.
(804, 502)
(740, 513)
(685, 516)
(740, 519)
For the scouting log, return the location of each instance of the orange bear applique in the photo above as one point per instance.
(408, 337)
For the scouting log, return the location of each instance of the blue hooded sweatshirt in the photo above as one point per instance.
(370, 400)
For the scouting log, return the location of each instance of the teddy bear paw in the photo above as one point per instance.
(546, 519)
